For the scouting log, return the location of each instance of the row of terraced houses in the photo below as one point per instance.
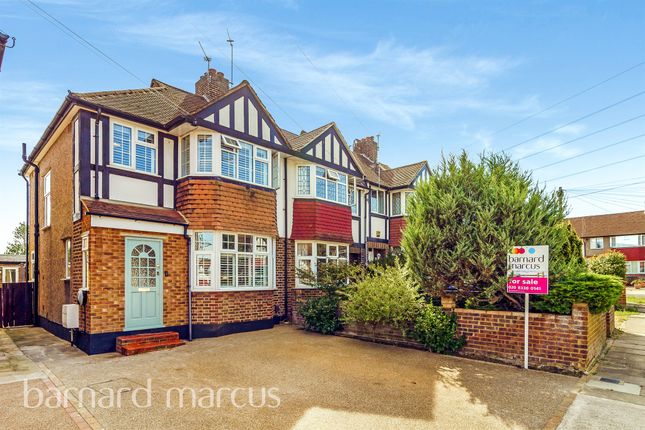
(189, 212)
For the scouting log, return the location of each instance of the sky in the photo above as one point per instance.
(546, 81)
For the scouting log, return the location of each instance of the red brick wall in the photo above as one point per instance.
(318, 220)
(211, 204)
(235, 306)
(563, 341)
(278, 295)
(396, 230)
(107, 279)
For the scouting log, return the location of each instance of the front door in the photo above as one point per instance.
(143, 284)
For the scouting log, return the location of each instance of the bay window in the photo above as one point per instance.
(143, 150)
(245, 162)
(232, 261)
(204, 153)
(331, 185)
(185, 156)
(635, 267)
(377, 202)
(309, 255)
(627, 241)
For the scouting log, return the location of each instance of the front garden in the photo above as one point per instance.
(447, 291)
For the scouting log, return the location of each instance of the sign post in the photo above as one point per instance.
(528, 273)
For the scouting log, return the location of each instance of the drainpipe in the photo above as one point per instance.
(286, 244)
(190, 290)
(96, 153)
(26, 230)
(36, 229)
(368, 220)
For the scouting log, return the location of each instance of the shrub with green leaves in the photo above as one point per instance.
(464, 220)
(437, 330)
(609, 263)
(600, 292)
(387, 296)
(320, 314)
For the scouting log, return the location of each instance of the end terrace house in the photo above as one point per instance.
(189, 212)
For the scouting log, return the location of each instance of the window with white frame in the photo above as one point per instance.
(204, 153)
(143, 150)
(232, 261)
(68, 258)
(309, 255)
(331, 185)
(304, 180)
(85, 261)
(635, 267)
(377, 199)
(353, 200)
(596, 243)
(185, 156)
(47, 188)
(627, 241)
(245, 162)
(397, 207)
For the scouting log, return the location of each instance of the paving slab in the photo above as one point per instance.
(590, 412)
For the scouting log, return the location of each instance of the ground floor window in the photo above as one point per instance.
(9, 275)
(232, 261)
(310, 254)
(635, 267)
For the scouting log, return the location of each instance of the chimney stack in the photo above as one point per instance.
(211, 85)
(368, 147)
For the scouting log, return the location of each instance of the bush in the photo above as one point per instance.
(464, 220)
(610, 263)
(638, 283)
(437, 330)
(321, 314)
(385, 297)
(600, 292)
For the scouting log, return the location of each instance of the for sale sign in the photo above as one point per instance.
(528, 270)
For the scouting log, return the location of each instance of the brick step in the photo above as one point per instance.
(140, 348)
(147, 338)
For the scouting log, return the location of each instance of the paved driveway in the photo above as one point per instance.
(319, 382)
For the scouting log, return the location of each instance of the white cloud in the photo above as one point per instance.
(391, 83)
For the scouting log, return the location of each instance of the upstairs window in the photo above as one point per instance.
(353, 201)
(245, 162)
(140, 154)
(47, 187)
(331, 185)
(377, 202)
(397, 208)
(304, 180)
(185, 156)
(146, 160)
(628, 241)
(204, 153)
(596, 243)
(121, 145)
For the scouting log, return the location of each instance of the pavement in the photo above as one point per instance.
(614, 397)
(285, 378)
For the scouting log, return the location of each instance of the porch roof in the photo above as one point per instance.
(133, 212)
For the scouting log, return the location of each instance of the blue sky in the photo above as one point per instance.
(427, 76)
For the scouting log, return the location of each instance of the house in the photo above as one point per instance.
(623, 232)
(12, 269)
(189, 212)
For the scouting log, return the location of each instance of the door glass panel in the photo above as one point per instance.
(143, 270)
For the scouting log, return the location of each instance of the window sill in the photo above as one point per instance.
(130, 169)
(230, 290)
(45, 228)
(304, 287)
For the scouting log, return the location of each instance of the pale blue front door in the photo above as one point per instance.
(143, 283)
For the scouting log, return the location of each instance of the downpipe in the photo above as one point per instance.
(36, 229)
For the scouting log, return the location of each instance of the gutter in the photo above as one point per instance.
(36, 228)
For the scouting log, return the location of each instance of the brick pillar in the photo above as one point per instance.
(448, 303)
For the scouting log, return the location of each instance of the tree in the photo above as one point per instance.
(464, 220)
(17, 245)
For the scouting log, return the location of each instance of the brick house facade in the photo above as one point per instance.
(622, 232)
(172, 210)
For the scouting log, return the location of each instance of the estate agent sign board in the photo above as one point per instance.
(528, 273)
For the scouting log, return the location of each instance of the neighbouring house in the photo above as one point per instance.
(189, 211)
(623, 232)
(12, 269)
